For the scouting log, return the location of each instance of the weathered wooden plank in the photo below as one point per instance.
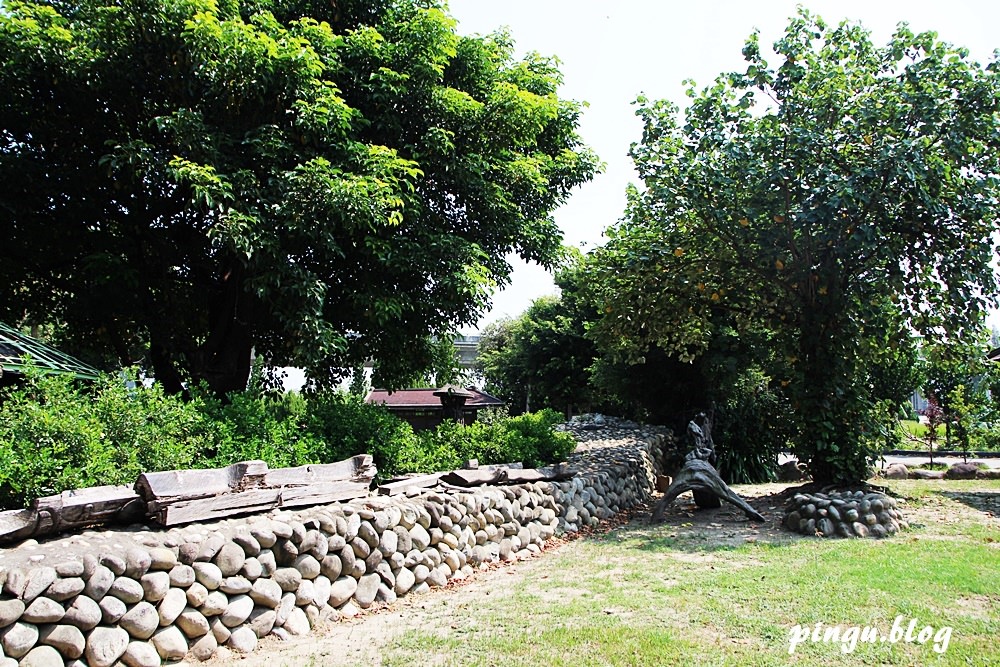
(171, 513)
(356, 467)
(70, 510)
(418, 481)
(199, 483)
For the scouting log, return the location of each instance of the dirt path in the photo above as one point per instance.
(359, 640)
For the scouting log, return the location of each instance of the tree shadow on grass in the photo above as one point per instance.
(690, 529)
(987, 502)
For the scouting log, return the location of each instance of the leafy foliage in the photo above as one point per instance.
(56, 435)
(323, 183)
(835, 201)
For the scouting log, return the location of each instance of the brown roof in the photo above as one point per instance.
(425, 398)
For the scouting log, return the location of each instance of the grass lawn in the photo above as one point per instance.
(691, 593)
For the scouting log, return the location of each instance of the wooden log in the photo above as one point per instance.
(183, 496)
(702, 476)
(72, 510)
(417, 481)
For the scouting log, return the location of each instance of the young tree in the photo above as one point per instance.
(322, 182)
(837, 200)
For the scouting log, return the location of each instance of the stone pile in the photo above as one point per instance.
(141, 597)
(844, 514)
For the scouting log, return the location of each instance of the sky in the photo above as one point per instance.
(612, 51)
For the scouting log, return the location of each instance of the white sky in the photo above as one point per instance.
(615, 49)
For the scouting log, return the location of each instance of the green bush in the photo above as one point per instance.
(56, 434)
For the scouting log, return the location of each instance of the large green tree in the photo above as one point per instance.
(838, 199)
(323, 183)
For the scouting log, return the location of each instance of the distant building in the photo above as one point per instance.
(425, 408)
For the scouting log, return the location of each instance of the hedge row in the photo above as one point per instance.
(56, 435)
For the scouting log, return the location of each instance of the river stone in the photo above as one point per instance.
(83, 613)
(367, 590)
(419, 537)
(112, 609)
(207, 574)
(261, 621)
(127, 590)
(238, 611)
(305, 593)
(252, 569)
(247, 542)
(342, 590)
(219, 630)
(64, 589)
(192, 623)
(331, 566)
(105, 645)
(155, 585)
(385, 594)
(113, 562)
(15, 582)
(210, 547)
(243, 640)
(335, 542)
(10, 611)
(360, 548)
(141, 654)
(438, 576)
(162, 558)
(267, 563)
(170, 643)
(404, 581)
(42, 656)
(235, 585)
(264, 535)
(215, 603)
(288, 578)
(297, 622)
(70, 568)
(181, 576)
(141, 621)
(137, 562)
(196, 594)
(99, 583)
(205, 647)
(230, 559)
(17, 639)
(266, 592)
(67, 639)
(307, 565)
(284, 608)
(171, 606)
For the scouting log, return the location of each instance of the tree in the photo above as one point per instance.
(542, 358)
(957, 375)
(838, 201)
(186, 182)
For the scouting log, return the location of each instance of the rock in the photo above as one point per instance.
(127, 590)
(230, 559)
(235, 585)
(284, 608)
(385, 594)
(404, 581)
(249, 544)
(266, 592)
(419, 537)
(105, 645)
(297, 622)
(919, 473)
(169, 643)
(141, 621)
(367, 589)
(215, 603)
(155, 585)
(83, 613)
(10, 611)
(207, 574)
(438, 576)
(99, 583)
(36, 581)
(181, 576)
(261, 621)
(288, 578)
(305, 593)
(342, 590)
(192, 623)
(162, 558)
(205, 647)
(70, 568)
(171, 606)
(238, 611)
(196, 594)
(896, 471)
(63, 589)
(137, 562)
(67, 639)
(307, 565)
(42, 656)
(141, 654)
(243, 640)
(113, 562)
(112, 609)
(826, 527)
(219, 630)
(322, 587)
(962, 471)
(17, 639)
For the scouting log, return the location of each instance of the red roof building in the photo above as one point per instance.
(425, 408)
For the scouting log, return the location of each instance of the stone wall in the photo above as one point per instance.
(143, 596)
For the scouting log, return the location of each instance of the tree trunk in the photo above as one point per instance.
(224, 360)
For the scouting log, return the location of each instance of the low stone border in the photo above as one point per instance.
(140, 596)
(844, 514)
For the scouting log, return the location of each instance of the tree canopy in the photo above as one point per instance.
(187, 182)
(839, 200)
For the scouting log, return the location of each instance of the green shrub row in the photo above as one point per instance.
(57, 435)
